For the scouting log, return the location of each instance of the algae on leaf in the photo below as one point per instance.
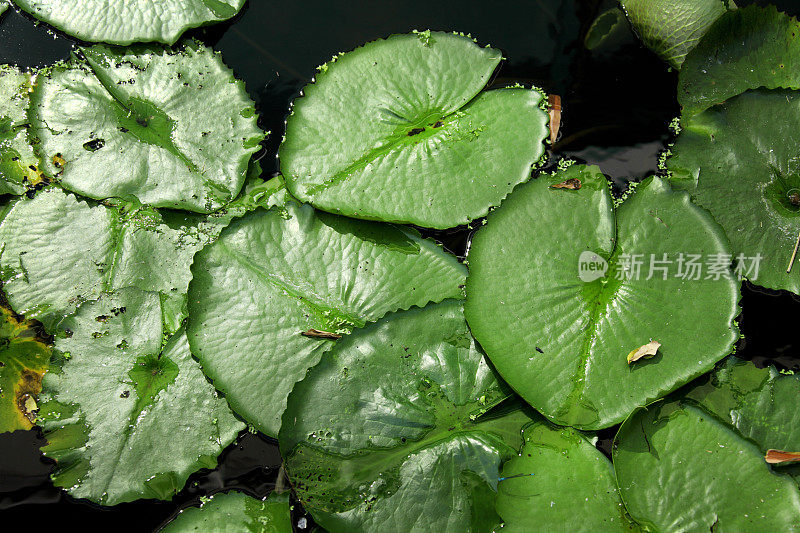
(559, 481)
(124, 22)
(19, 166)
(400, 427)
(235, 512)
(171, 128)
(745, 49)
(680, 469)
(399, 131)
(672, 28)
(273, 275)
(562, 286)
(126, 413)
(739, 161)
(24, 357)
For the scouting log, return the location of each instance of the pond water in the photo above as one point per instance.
(618, 101)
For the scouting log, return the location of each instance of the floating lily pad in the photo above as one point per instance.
(555, 299)
(759, 403)
(681, 469)
(390, 431)
(129, 415)
(559, 481)
(59, 251)
(739, 161)
(171, 128)
(274, 275)
(3, 8)
(398, 130)
(746, 48)
(672, 28)
(19, 166)
(127, 21)
(235, 511)
(24, 357)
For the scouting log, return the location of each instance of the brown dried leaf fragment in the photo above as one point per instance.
(555, 116)
(319, 334)
(646, 351)
(572, 184)
(776, 457)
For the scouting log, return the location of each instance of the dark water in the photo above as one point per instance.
(617, 100)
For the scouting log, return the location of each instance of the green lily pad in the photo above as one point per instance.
(235, 511)
(760, 404)
(394, 429)
(273, 275)
(129, 415)
(555, 299)
(24, 358)
(59, 251)
(398, 131)
(127, 21)
(171, 128)
(19, 166)
(747, 48)
(681, 469)
(559, 481)
(739, 161)
(3, 8)
(672, 28)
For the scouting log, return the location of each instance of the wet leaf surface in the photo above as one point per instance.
(398, 131)
(170, 128)
(127, 412)
(234, 511)
(560, 336)
(127, 21)
(394, 428)
(19, 166)
(274, 274)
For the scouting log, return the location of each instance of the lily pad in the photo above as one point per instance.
(739, 161)
(747, 48)
(128, 415)
(59, 251)
(681, 469)
(398, 131)
(394, 429)
(672, 28)
(559, 481)
(274, 275)
(127, 21)
(235, 511)
(759, 403)
(24, 357)
(19, 166)
(171, 128)
(556, 299)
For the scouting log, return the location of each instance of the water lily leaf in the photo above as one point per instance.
(739, 161)
(235, 511)
(129, 415)
(172, 128)
(559, 481)
(398, 130)
(273, 275)
(127, 21)
(24, 357)
(59, 251)
(681, 469)
(19, 166)
(672, 28)
(390, 431)
(561, 324)
(3, 8)
(747, 48)
(760, 404)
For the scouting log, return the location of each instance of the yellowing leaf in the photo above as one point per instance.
(776, 457)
